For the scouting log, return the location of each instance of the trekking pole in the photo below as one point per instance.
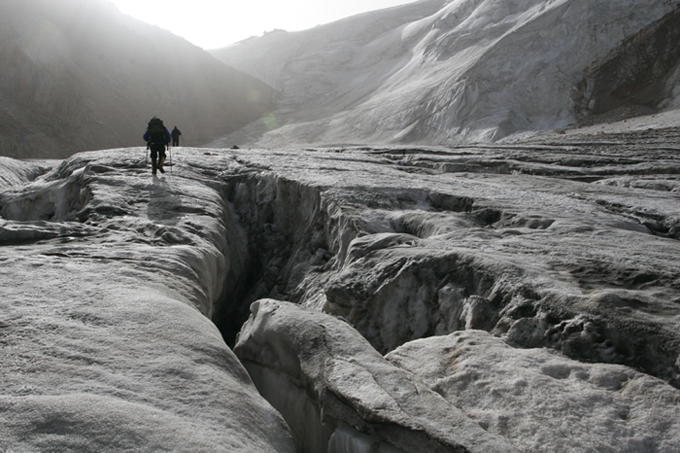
(170, 150)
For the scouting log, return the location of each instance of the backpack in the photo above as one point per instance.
(156, 130)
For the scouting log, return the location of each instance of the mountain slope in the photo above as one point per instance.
(78, 74)
(446, 72)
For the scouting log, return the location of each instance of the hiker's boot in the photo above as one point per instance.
(153, 165)
(160, 164)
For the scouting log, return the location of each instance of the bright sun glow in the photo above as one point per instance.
(212, 24)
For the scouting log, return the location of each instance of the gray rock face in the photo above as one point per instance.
(473, 282)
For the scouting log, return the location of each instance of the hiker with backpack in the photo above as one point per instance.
(157, 138)
(175, 136)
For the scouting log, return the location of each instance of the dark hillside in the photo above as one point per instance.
(78, 75)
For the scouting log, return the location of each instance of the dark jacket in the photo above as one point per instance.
(165, 131)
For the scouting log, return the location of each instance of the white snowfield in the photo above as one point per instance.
(449, 72)
(493, 298)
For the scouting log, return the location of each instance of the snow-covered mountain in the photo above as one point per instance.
(451, 71)
(78, 75)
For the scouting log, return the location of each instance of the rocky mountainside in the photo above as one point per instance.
(452, 71)
(78, 75)
(488, 298)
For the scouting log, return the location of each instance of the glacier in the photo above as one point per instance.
(508, 297)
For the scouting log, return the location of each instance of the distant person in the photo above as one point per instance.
(157, 138)
(175, 136)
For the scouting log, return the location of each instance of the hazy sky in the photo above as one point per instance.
(217, 23)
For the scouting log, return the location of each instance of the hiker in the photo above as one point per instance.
(157, 138)
(175, 136)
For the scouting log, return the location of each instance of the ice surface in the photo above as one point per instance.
(14, 172)
(557, 254)
(542, 401)
(106, 339)
(349, 382)
(541, 244)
